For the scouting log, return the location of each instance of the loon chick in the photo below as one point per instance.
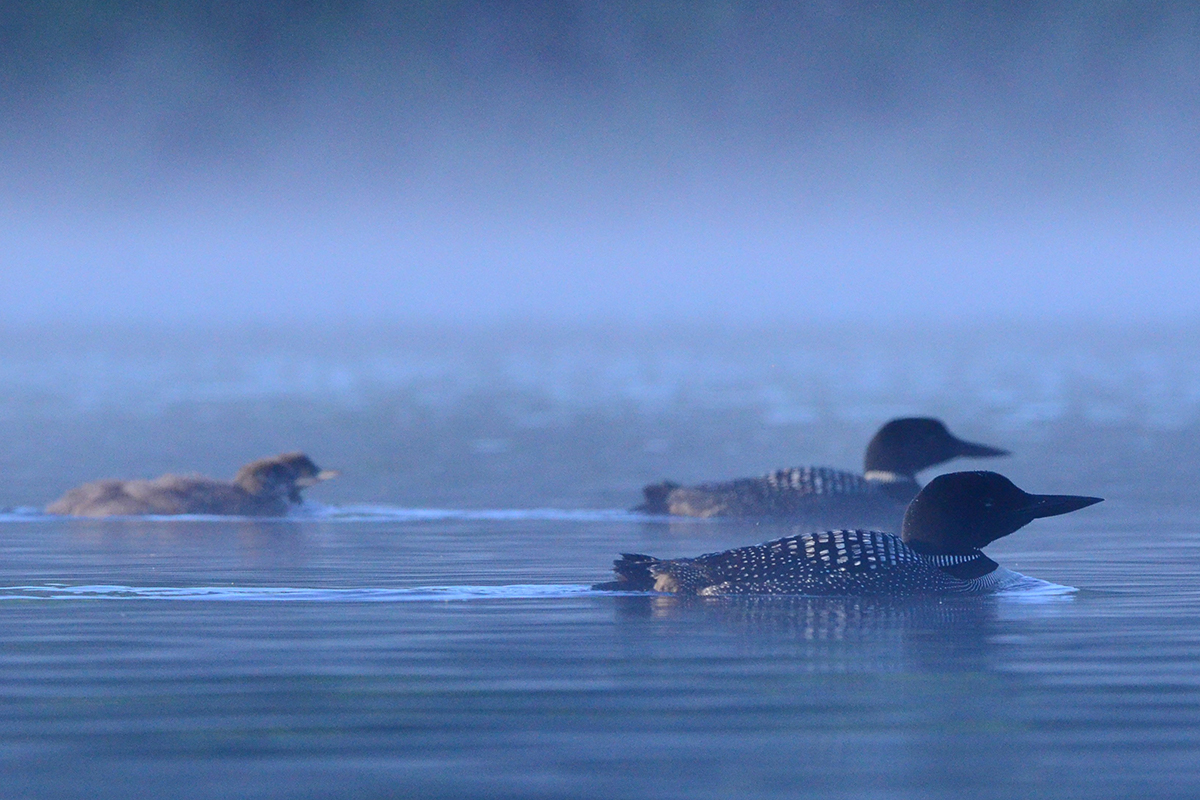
(897, 452)
(945, 526)
(263, 488)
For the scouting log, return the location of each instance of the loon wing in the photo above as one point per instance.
(847, 562)
(782, 492)
(801, 481)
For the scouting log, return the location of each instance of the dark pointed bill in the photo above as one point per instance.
(1051, 505)
(973, 450)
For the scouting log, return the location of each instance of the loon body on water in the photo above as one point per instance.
(938, 552)
(264, 488)
(897, 452)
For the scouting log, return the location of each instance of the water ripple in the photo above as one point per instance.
(315, 512)
(1025, 590)
(286, 593)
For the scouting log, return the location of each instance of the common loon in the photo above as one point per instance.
(897, 452)
(945, 526)
(264, 488)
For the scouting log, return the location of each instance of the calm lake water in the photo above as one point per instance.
(424, 628)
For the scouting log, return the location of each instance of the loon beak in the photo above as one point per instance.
(1051, 505)
(313, 480)
(972, 450)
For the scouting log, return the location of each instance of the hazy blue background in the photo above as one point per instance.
(654, 161)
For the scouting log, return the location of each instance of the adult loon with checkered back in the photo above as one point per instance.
(897, 452)
(939, 551)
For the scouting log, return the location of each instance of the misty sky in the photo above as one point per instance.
(653, 161)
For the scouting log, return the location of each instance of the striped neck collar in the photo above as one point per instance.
(883, 476)
(965, 566)
(945, 560)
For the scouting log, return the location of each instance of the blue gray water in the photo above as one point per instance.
(424, 628)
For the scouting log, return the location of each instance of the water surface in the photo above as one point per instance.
(425, 628)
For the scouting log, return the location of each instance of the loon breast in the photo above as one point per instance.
(846, 562)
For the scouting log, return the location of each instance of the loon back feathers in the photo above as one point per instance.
(850, 562)
(784, 491)
(812, 480)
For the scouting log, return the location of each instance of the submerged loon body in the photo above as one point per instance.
(897, 452)
(268, 487)
(938, 552)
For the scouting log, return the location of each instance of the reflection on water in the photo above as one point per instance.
(836, 634)
(266, 542)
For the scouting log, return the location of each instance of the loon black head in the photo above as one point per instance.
(961, 512)
(908, 445)
(282, 476)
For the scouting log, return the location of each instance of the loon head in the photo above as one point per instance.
(908, 445)
(960, 512)
(282, 476)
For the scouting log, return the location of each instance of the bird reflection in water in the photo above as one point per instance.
(232, 542)
(834, 634)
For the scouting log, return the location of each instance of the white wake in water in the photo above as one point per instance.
(1026, 590)
(282, 593)
(1013, 585)
(384, 513)
(313, 512)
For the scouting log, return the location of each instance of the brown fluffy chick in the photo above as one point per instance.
(268, 487)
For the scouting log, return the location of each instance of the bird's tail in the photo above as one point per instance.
(656, 498)
(633, 574)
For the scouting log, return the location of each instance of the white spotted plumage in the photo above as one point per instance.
(787, 492)
(813, 480)
(831, 562)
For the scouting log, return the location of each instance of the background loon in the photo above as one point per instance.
(897, 452)
(264, 488)
(939, 551)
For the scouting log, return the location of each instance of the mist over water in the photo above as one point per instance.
(744, 162)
